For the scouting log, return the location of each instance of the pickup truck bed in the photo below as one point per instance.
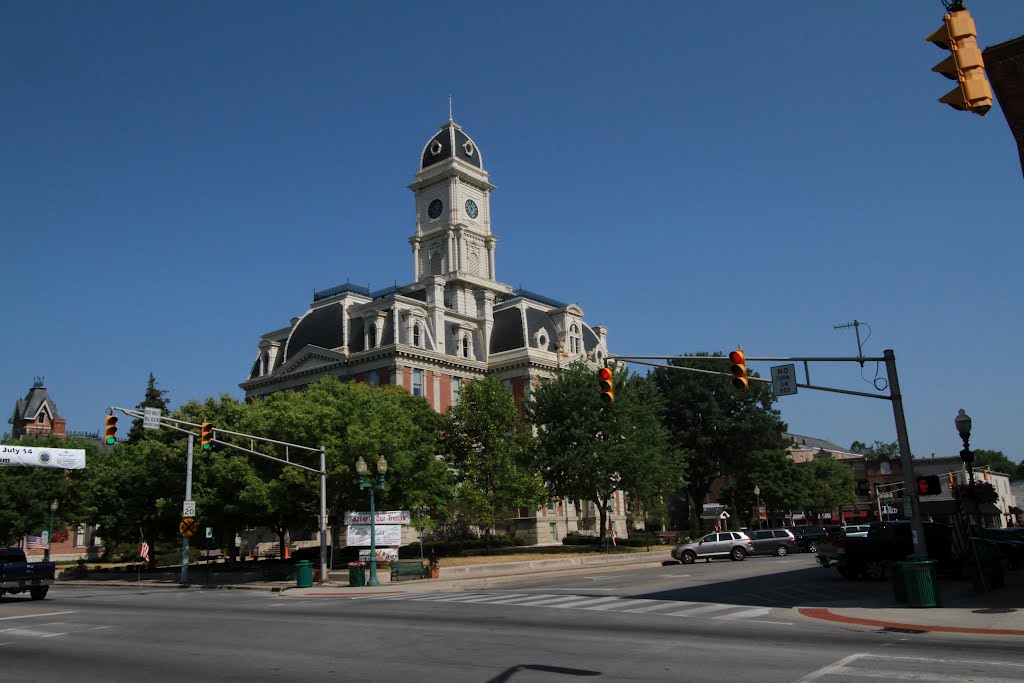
(18, 575)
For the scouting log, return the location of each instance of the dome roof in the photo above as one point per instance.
(448, 142)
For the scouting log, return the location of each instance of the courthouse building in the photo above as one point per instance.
(453, 322)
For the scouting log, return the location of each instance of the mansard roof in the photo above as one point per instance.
(451, 142)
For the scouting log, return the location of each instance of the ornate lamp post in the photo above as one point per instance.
(963, 425)
(757, 495)
(361, 469)
(49, 532)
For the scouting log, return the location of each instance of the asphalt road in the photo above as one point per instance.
(718, 621)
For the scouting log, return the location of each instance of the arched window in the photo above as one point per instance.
(416, 334)
(465, 346)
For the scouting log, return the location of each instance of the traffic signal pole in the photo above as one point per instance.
(895, 397)
(188, 496)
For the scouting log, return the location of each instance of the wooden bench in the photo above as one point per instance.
(408, 569)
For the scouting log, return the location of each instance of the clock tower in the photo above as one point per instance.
(453, 236)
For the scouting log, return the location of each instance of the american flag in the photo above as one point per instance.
(144, 550)
(35, 543)
(611, 528)
(959, 529)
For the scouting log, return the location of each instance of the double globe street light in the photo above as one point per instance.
(361, 470)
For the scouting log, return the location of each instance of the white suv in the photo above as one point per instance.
(732, 544)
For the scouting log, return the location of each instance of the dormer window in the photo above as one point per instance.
(41, 419)
(465, 346)
(371, 336)
(575, 341)
(416, 334)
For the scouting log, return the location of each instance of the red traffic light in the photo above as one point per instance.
(929, 485)
(606, 381)
(739, 369)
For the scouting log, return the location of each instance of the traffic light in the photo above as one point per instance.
(206, 436)
(929, 485)
(964, 65)
(986, 472)
(607, 383)
(110, 432)
(739, 369)
(949, 481)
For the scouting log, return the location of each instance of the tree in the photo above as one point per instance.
(880, 450)
(781, 482)
(487, 446)
(713, 423)
(830, 484)
(586, 449)
(154, 398)
(996, 461)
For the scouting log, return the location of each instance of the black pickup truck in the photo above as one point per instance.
(17, 574)
(887, 542)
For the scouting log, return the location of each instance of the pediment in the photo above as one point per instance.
(311, 358)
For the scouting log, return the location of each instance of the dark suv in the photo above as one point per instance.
(807, 536)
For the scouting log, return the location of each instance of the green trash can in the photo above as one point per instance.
(356, 574)
(920, 583)
(303, 574)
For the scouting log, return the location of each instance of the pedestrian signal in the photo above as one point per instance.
(739, 370)
(928, 485)
(110, 432)
(607, 383)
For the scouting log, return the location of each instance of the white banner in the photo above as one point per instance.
(33, 456)
(383, 555)
(387, 534)
(389, 517)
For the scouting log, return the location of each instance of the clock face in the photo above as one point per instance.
(471, 209)
(434, 210)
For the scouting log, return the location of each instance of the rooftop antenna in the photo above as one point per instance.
(449, 107)
(880, 383)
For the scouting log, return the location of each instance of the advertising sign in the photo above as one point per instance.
(383, 555)
(387, 535)
(34, 456)
(389, 517)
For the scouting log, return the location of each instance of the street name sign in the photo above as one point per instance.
(151, 418)
(784, 380)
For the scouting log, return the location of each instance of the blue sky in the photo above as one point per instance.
(177, 179)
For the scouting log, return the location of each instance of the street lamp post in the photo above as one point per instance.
(361, 469)
(963, 425)
(757, 495)
(49, 532)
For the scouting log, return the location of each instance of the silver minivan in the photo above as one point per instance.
(732, 544)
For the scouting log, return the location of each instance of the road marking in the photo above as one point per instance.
(840, 667)
(41, 614)
(757, 612)
(588, 601)
(616, 604)
(550, 601)
(580, 588)
(700, 610)
(658, 604)
(675, 576)
(486, 598)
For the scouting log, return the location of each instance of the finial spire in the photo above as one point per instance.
(449, 107)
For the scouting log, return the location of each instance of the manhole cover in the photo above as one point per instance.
(994, 610)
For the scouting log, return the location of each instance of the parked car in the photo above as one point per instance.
(807, 536)
(779, 542)
(830, 548)
(732, 544)
(17, 574)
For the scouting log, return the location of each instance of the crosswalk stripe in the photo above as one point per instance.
(550, 601)
(494, 598)
(589, 601)
(616, 605)
(700, 610)
(658, 604)
(746, 614)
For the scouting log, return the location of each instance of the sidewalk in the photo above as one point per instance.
(999, 612)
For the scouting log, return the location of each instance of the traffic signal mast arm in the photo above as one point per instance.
(645, 360)
(172, 423)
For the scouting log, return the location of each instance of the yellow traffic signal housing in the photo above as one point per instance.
(110, 431)
(949, 481)
(739, 370)
(206, 436)
(607, 383)
(965, 65)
